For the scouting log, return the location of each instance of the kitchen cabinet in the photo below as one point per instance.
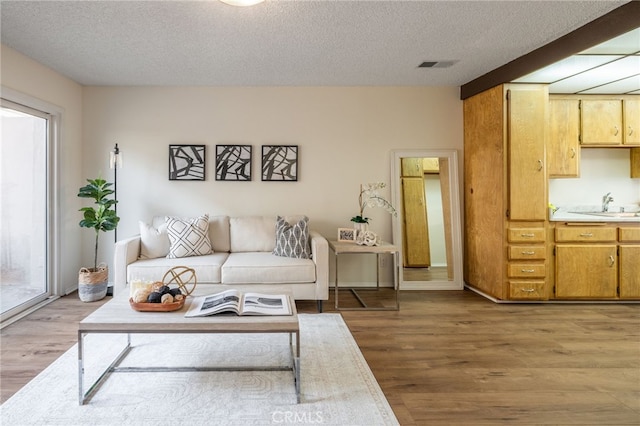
(412, 167)
(505, 190)
(415, 227)
(631, 121)
(526, 269)
(613, 121)
(629, 259)
(597, 262)
(601, 121)
(563, 143)
(586, 271)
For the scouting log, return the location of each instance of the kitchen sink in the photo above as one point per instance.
(611, 214)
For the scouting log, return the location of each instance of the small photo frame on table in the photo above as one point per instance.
(187, 162)
(233, 162)
(346, 234)
(280, 163)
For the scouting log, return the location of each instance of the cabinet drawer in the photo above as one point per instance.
(629, 234)
(517, 235)
(527, 252)
(532, 290)
(522, 270)
(585, 233)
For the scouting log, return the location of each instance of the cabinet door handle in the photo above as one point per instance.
(528, 290)
(573, 153)
(586, 234)
(527, 235)
(630, 130)
(530, 253)
(612, 261)
(528, 271)
(615, 133)
(540, 165)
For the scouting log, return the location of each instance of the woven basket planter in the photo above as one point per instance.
(92, 284)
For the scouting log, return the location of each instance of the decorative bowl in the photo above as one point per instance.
(157, 307)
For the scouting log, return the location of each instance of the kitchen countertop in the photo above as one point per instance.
(568, 214)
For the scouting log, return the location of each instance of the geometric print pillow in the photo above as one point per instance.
(188, 237)
(292, 240)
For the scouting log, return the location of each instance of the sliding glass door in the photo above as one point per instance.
(24, 208)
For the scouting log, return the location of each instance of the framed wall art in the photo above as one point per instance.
(233, 162)
(187, 162)
(279, 162)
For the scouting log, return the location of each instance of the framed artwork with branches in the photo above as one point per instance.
(187, 162)
(233, 162)
(279, 162)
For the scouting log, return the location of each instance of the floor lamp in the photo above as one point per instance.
(115, 163)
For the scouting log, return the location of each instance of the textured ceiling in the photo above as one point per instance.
(285, 43)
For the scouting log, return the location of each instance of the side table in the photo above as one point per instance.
(342, 247)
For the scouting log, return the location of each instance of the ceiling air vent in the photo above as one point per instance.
(436, 64)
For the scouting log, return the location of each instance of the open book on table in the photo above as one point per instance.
(235, 301)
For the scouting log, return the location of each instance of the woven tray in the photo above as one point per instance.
(157, 307)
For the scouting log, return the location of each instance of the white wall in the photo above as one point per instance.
(602, 170)
(345, 136)
(21, 74)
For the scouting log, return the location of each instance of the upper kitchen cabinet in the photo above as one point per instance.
(631, 121)
(526, 135)
(610, 122)
(563, 143)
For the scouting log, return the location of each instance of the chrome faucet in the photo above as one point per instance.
(605, 202)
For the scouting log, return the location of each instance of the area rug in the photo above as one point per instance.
(338, 387)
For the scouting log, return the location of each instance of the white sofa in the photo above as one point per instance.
(242, 253)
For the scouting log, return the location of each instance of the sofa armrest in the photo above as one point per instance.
(126, 252)
(320, 255)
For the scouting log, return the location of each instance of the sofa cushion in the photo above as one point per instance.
(154, 242)
(207, 267)
(264, 267)
(188, 237)
(292, 240)
(252, 233)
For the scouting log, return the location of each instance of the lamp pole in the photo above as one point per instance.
(115, 162)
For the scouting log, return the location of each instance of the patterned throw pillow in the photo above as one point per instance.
(188, 237)
(292, 240)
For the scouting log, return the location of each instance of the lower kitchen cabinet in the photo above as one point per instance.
(629, 259)
(597, 262)
(586, 271)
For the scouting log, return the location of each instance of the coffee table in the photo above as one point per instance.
(117, 316)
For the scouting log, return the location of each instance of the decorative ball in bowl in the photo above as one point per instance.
(157, 297)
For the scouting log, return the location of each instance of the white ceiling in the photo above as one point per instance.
(285, 43)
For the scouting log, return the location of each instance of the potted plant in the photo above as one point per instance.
(92, 282)
(369, 197)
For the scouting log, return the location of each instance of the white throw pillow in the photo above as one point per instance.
(292, 240)
(154, 242)
(252, 233)
(188, 237)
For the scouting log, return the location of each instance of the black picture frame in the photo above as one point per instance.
(280, 163)
(233, 162)
(187, 162)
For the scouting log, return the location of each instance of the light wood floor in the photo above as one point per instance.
(445, 358)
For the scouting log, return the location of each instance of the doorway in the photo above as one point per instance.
(24, 208)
